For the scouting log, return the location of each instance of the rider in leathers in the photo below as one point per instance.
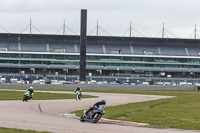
(102, 102)
(78, 90)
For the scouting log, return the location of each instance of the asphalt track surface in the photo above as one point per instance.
(45, 115)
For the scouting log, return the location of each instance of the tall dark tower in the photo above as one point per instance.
(83, 43)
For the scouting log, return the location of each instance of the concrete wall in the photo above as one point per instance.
(113, 87)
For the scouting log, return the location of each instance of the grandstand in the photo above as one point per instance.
(106, 55)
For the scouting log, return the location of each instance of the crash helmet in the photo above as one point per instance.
(78, 88)
(31, 87)
(103, 101)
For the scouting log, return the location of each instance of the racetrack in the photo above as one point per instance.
(45, 115)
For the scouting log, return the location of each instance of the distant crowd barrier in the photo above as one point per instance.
(114, 87)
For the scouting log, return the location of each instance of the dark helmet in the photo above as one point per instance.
(103, 101)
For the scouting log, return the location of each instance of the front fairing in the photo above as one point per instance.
(27, 93)
(101, 109)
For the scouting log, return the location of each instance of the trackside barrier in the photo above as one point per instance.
(114, 87)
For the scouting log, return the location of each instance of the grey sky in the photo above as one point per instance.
(114, 16)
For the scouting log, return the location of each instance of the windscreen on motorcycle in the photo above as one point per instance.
(27, 93)
(102, 107)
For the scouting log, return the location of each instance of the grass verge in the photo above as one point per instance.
(12, 130)
(16, 95)
(181, 112)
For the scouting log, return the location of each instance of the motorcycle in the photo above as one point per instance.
(78, 95)
(27, 96)
(93, 115)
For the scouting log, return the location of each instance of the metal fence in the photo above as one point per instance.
(113, 87)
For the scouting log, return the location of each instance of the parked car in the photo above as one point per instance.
(185, 83)
(3, 81)
(114, 83)
(102, 83)
(167, 83)
(36, 82)
(20, 82)
(13, 81)
(67, 82)
(41, 81)
(91, 82)
(55, 82)
(76, 82)
(125, 83)
(159, 83)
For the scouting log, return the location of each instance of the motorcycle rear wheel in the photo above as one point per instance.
(82, 118)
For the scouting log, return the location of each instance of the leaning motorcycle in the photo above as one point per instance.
(27, 96)
(93, 115)
(78, 95)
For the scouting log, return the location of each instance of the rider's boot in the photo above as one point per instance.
(84, 113)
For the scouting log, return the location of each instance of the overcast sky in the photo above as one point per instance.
(113, 16)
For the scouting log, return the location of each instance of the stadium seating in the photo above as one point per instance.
(145, 50)
(173, 50)
(10, 46)
(118, 49)
(56, 47)
(194, 50)
(94, 48)
(33, 47)
(97, 48)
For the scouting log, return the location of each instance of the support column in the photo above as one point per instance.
(83, 43)
(19, 44)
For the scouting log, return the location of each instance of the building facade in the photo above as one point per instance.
(106, 56)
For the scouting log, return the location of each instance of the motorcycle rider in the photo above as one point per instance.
(102, 102)
(31, 91)
(78, 91)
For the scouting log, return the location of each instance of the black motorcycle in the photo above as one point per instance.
(93, 115)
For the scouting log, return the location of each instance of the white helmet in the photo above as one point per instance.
(31, 87)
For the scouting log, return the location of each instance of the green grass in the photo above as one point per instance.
(12, 130)
(16, 95)
(47, 89)
(181, 112)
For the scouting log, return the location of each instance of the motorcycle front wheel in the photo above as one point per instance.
(25, 98)
(96, 118)
(79, 97)
(76, 97)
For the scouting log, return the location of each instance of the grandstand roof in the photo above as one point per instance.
(45, 38)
